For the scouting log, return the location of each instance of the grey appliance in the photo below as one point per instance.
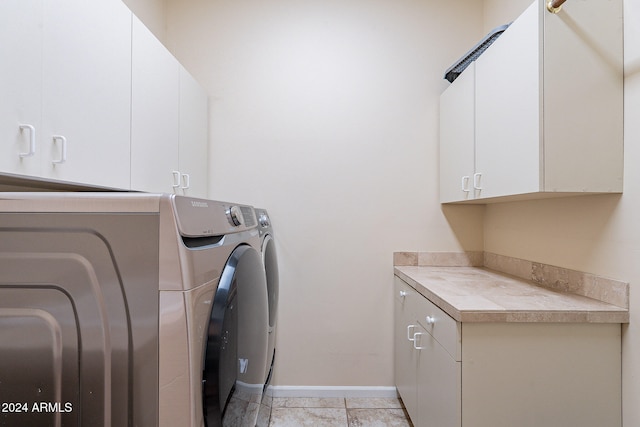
(130, 309)
(270, 263)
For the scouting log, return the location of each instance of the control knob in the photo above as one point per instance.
(235, 216)
(264, 220)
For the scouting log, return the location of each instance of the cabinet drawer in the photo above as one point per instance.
(407, 298)
(435, 321)
(439, 325)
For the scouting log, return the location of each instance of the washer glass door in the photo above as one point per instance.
(235, 356)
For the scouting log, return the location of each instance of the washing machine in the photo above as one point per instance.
(270, 264)
(130, 309)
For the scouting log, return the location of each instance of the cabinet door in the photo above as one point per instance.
(508, 126)
(20, 84)
(193, 136)
(154, 114)
(457, 138)
(87, 91)
(541, 374)
(438, 384)
(583, 98)
(405, 356)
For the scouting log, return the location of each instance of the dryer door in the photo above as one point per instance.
(237, 339)
(271, 269)
(270, 263)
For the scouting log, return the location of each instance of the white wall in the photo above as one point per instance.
(151, 12)
(500, 12)
(596, 234)
(326, 113)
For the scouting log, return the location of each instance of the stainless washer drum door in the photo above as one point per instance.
(237, 340)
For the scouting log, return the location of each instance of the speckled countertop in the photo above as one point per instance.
(476, 294)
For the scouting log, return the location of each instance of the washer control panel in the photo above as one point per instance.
(201, 217)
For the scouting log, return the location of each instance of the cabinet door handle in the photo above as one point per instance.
(415, 340)
(32, 140)
(403, 294)
(63, 149)
(176, 179)
(465, 184)
(430, 320)
(409, 330)
(186, 181)
(476, 181)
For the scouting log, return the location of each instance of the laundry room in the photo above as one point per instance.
(196, 139)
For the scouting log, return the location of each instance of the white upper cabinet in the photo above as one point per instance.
(155, 117)
(86, 92)
(508, 116)
(20, 85)
(88, 95)
(193, 147)
(457, 138)
(65, 85)
(547, 101)
(169, 121)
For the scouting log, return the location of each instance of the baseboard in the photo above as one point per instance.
(329, 391)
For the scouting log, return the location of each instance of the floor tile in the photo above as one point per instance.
(308, 402)
(377, 418)
(241, 413)
(308, 417)
(379, 403)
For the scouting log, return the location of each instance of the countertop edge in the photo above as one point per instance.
(614, 315)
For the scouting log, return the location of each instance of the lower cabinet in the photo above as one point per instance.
(405, 356)
(452, 374)
(427, 375)
(438, 375)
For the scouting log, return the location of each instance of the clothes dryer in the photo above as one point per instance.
(270, 264)
(130, 309)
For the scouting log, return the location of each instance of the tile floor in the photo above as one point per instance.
(338, 412)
